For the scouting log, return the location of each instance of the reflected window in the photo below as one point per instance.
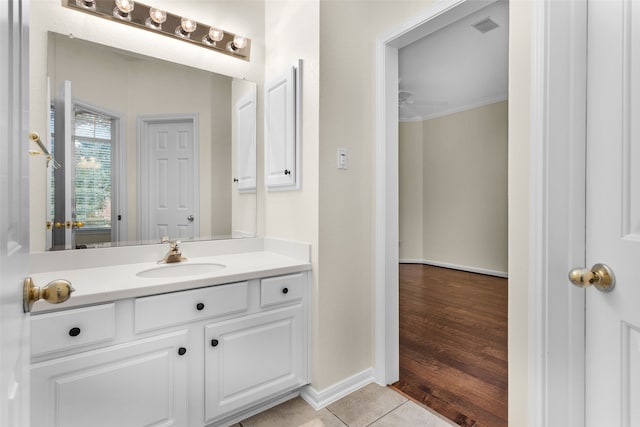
(93, 140)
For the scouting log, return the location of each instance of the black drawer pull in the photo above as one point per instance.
(182, 351)
(199, 306)
(74, 332)
(285, 290)
(214, 343)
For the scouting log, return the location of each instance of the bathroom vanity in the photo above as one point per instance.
(188, 349)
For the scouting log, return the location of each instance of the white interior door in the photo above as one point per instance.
(14, 213)
(613, 212)
(171, 170)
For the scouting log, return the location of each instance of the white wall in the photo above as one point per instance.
(462, 221)
(411, 189)
(346, 196)
(292, 33)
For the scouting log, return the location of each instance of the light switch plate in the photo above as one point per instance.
(342, 158)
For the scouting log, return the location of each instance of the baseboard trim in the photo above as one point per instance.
(488, 272)
(322, 398)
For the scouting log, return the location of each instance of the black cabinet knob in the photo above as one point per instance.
(182, 351)
(214, 343)
(199, 306)
(235, 179)
(287, 172)
(285, 290)
(74, 332)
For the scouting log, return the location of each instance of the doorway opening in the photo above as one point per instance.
(418, 109)
(452, 151)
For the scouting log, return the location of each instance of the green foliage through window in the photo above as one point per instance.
(92, 139)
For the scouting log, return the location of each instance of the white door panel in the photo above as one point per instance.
(613, 213)
(170, 180)
(14, 213)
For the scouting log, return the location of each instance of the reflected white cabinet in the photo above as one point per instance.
(245, 133)
(142, 383)
(282, 131)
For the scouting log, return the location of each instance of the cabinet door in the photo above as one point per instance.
(143, 383)
(281, 150)
(254, 358)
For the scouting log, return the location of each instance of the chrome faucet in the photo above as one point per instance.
(174, 254)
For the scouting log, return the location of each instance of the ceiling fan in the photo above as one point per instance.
(409, 109)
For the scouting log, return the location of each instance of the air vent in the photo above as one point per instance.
(485, 25)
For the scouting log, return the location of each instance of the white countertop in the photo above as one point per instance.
(109, 283)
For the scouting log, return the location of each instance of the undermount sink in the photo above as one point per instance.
(180, 270)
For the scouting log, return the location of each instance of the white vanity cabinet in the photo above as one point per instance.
(208, 356)
(254, 357)
(140, 383)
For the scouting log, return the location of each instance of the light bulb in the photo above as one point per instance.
(123, 9)
(86, 4)
(126, 6)
(240, 42)
(213, 36)
(156, 18)
(186, 27)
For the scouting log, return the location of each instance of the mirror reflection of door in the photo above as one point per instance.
(169, 181)
(83, 190)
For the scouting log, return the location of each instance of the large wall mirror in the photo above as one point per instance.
(146, 149)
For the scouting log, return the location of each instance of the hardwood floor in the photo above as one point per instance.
(453, 343)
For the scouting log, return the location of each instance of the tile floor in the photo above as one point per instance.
(372, 405)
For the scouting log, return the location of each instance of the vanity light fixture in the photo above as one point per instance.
(159, 21)
(123, 9)
(156, 18)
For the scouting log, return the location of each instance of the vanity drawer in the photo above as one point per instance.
(160, 311)
(281, 289)
(67, 329)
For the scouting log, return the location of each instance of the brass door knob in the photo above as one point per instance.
(59, 224)
(74, 224)
(600, 275)
(54, 292)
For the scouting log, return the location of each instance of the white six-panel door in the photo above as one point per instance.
(169, 180)
(613, 212)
